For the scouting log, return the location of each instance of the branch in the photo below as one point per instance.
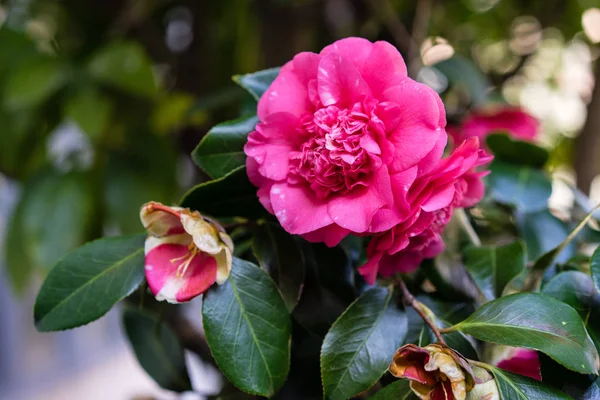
(410, 300)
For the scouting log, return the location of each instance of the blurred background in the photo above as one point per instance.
(102, 101)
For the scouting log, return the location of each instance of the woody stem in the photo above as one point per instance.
(410, 300)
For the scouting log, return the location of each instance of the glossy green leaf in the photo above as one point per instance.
(90, 110)
(222, 149)
(536, 322)
(398, 390)
(536, 273)
(248, 328)
(507, 149)
(257, 83)
(32, 83)
(56, 215)
(359, 347)
(278, 253)
(125, 66)
(526, 188)
(230, 196)
(595, 268)
(519, 387)
(577, 290)
(86, 283)
(492, 267)
(157, 349)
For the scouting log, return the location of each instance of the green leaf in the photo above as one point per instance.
(56, 215)
(542, 232)
(492, 267)
(462, 73)
(519, 387)
(577, 290)
(157, 349)
(595, 268)
(278, 253)
(398, 390)
(359, 347)
(222, 149)
(257, 83)
(90, 110)
(19, 264)
(506, 148)
(538, 322)
(86, 283)
(526, 188)
(248, 329)
(450, 277)
(32, 83)
(536, 273)
(230, 196)
(125, 66)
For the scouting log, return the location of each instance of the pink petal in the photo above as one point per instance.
(331, 235)
(306, 65)
(297, 209)
(271, 144)
(370, 269)
(419, 129)
(161, 273)
(432, 159)
(513, 120)
(523, 362)
(441, 198)
(355, 210)
(340, 83)
(354, 50)
(288, 93)
(383, 68)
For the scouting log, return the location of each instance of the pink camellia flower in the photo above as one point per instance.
(512, 120)
(343, 135)
(454, 182)
(185, 253)
(523, 362)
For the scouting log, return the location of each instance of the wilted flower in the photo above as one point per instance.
(342, 136)
(454, 182)
(511, 120)
(521, 361)
(185, 253)
(436, 372)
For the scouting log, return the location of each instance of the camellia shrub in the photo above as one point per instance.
(350, 244)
